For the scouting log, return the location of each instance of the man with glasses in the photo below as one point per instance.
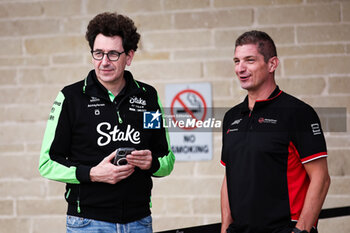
(93, 118)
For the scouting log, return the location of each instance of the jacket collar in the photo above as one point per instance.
(93, 87)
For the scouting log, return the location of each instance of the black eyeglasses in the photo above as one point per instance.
(111, 55)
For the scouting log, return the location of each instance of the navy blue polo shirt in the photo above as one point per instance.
(264, 151)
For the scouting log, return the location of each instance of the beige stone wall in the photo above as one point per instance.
(43, 49)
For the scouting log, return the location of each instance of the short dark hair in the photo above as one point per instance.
(266, 46)
(113, 24)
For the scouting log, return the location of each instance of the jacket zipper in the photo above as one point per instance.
(68, 193)
(78, 198)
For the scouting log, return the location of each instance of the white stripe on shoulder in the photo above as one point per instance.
(312, 159)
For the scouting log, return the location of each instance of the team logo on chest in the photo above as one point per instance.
(262, 120)
(137, 104)
(94, 99)
(95, 102)
(236, 122)
(114, 134)
(234, 126)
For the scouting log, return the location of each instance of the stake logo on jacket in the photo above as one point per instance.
(86, 124)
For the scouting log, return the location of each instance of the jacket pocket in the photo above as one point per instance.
(71, 193)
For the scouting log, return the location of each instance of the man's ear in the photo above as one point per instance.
(129, 57)
(273, 64)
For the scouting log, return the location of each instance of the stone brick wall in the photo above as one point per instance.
(43, 49)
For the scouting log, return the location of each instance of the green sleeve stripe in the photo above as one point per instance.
(166, 162)
(47, 167)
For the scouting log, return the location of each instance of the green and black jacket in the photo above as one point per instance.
(85, 125)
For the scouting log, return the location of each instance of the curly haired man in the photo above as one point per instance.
(93, 118)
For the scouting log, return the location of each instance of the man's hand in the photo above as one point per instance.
(141, 159)
(107, 172)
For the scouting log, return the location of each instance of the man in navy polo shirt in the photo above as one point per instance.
(274, 151)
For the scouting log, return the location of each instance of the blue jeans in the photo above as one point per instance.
(84, 225)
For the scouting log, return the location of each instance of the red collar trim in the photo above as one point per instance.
(271, 98)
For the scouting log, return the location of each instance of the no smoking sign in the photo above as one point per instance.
(190, 103)
(188, 107)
